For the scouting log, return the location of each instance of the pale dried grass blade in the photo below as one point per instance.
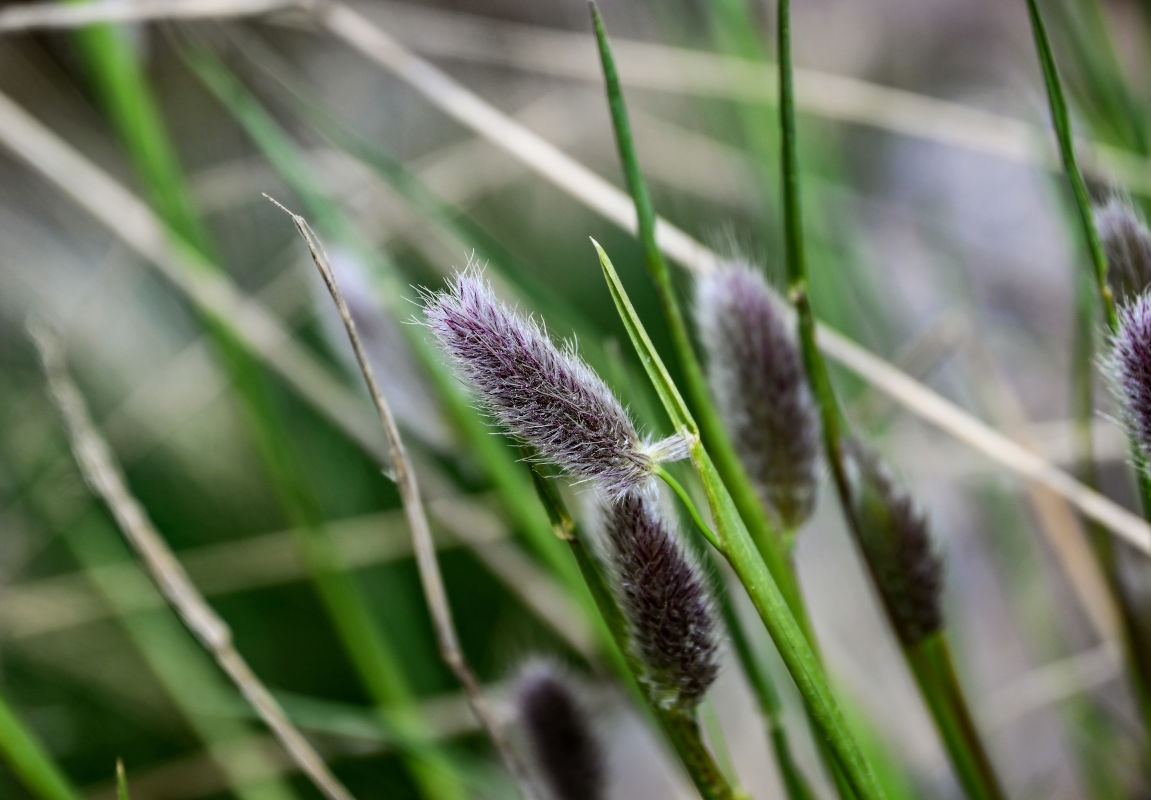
(429, 568)
(103, 475)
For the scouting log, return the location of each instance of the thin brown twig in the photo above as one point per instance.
(100, 470)
(430, 577)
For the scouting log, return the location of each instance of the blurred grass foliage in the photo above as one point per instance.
(960, 266)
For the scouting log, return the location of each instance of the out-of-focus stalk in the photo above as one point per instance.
(26, 756)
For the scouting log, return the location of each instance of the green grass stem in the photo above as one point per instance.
(741, 552)
(1061, 122)
(768, 541)
(930, 663)
(680, 729)
(948, 707)
(28, 759)
(121, 782)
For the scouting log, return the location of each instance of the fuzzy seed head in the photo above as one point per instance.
(545, 395)
(1127, 243)
(559, 735)
(896, 546)
(758, 382)
(665, 598)
(1129, 368)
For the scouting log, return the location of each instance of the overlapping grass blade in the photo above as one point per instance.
(27, 758)
(737, 547)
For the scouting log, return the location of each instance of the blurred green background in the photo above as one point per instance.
(939, 238)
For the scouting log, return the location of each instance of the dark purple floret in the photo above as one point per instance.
(666, 599)
(758, 382)
(1127, 244)
(545, 395)
(897, 547)
(559, 735)
(1130, 369)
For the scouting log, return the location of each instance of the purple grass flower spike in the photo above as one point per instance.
(1129, 368)
(758, 382)
(665, 598)
(1127, 243)
(545, 395)
(897, 547)
(564, 750)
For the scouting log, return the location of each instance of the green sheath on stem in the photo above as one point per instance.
(962, 740)
(737, 547)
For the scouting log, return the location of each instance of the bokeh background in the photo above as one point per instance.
(940, 237)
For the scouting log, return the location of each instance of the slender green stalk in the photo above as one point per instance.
(1103, 547)
(688, 504)
(758, 677)
(124, 90)
(789, 637)
(761, 683)
(1062, 124)
(736, 545)
(27, 758)
(948, 707)
(121, 781)
(771, 544)
(768, 541)
(683, 730)
(796, 786)
(930, 663)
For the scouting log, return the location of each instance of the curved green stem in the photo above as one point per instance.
(689, 504)
(767, 698)
(931, 664)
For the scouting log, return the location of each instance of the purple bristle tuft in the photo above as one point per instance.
(665, 598)
(758, 382)
(559, 734)
(1129, 368)
(897, 547)
(545, 395)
